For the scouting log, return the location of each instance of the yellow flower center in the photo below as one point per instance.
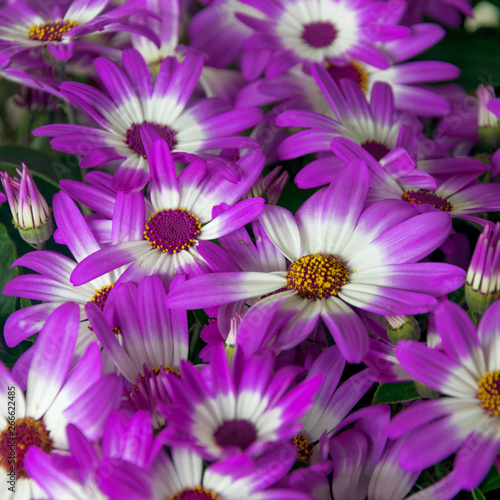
(304, 446)
(101, 295)
(488, 392)
(317, 276)
(197, 493)
(51, 31)
(15, 441)
(420, 197)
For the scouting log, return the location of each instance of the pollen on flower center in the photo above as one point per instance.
(320, 34)
(17, 439)
(134, 141)
(239, 433)
(197, 493)
(304, 447)
(52, 31)
(101, 295)
(420, 197)
(353, 71)
(317, 276)
(376, 149)
(172, 230)
(488, 392)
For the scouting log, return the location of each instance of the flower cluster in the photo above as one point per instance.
(268, 228)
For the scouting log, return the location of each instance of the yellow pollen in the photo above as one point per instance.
(156, 371)
(51, 31)
(101, 295)
(317, 276)
(422, 196)
(197, 492)
(488, 392)
(304, 446)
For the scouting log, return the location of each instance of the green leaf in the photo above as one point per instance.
(491, 481)
(477, 495)
(7, 257)
(395, 393)
(25, 303)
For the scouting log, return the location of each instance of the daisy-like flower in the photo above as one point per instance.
(295, 31)
(131, 102)
(467, 420)
(56, 396)
(376, 126)
(116, 470)
(26, 25)
(183, 476)
(447, 12)
(342, 256)
(173, 238)
(154, 339)
(239, 408)
(52, 286)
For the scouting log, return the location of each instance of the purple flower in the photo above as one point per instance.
(57, 26)
(295, 31)
(173, 238)
(59, 392)
(242, 407)
(467, 371)
(131, 102)
(342, 256)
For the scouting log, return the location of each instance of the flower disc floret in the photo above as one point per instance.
(134, 141)
(101, 295)
(172, 230)
(320, 34)
(197, 493)
(304, 447)
(239, 433)
(353, 71)
(51, 31)
(317, 276)
(488, 392)
(420, 197)
(22, 435)
(376, 149)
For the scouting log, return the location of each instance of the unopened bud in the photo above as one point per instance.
(488, 123)
(402, 328)
(30, 212)
(482, 286)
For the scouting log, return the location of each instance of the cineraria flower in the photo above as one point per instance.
(342, 256)
(131, 102)
(242, 407)
(115, 470)
(183, 476)
(447, 12)
(53, 286)
(56, 396)
(295, 31)
(57, 26)
(154, 339)
(377, 126)
(467, 420)
(174, 237)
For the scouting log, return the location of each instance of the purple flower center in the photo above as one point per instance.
(304, 447)
(101, 295)
(198, 493)
(317, 276)
(17, 438)
(422, 197)
(488, 392)
(239, 433)
(319, 34)
(52, 31)
(376, 149)
(172, 230)
(134, 141)
(352, 71)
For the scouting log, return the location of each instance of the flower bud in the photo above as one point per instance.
(402, 328)
(482, 286)
(488, 123)
(30, 212)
